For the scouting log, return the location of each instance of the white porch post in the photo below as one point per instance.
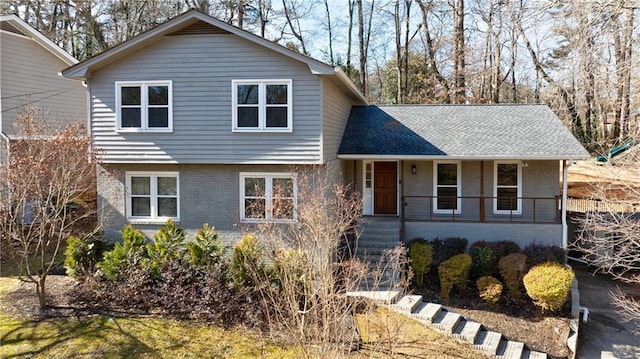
(565, 228)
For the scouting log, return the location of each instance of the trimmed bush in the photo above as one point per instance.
(421, 256)
(246, 262)
(538, 254)
(489, 289)
(512, 269)
(82, 255)
(444, 249)
(485, 259)
(115, 263)
(548, 284)
(454, 272)
(504, 248)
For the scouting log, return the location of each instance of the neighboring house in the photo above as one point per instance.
(30, 66)
(199, 121)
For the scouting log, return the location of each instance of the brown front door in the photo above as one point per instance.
(385, 187)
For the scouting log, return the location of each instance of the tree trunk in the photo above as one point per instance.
(349, 37)
(330, 30)
(431, 52)
(40, 291)
(459, 51)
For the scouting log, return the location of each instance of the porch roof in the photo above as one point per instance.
(498, 132)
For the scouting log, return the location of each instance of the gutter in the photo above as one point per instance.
(450, 157)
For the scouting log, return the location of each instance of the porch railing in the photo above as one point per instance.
(482, 209)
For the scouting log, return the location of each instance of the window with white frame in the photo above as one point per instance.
(446, 187)
(268, 197)
(152, 195)
(144, 106)
(507, 191)
(262, 105)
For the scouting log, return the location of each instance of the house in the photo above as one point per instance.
(198, 120)
(30, 66)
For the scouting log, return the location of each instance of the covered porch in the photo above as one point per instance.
(485, 199)
(482, 172)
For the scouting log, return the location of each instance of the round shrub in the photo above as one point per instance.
(421, 256)
(548, 284)
(489, 289)
(512, 269)
(454, 272)
(485, 259)
(538, 254)
(504, 248)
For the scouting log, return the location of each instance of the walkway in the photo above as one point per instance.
(604, 335)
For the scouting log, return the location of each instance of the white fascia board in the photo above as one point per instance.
(42, 40)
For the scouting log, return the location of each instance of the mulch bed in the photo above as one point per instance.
(521, 321)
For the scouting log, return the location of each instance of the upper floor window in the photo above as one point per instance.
(507, 190)
(262, 105)
(144, 106)
(446, 187)
(268, 197)
(152, 196)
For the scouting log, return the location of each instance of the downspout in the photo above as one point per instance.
(565, 228)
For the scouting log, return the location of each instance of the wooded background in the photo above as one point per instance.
(577, 56)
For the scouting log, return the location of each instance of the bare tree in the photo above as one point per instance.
(308, 299)
(49, 177)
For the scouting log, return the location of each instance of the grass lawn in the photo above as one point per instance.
(384, 333)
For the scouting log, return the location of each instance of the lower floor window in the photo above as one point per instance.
(268, 197)
(152, 195)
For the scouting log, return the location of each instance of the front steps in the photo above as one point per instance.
(454, 325)
(378, 237)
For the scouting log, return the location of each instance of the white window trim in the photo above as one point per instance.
(153, 194)
(262, 105)
(144, 106)
(495, 188)
(458, 209)
(268, 176)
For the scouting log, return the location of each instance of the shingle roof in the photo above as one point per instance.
(458, 131)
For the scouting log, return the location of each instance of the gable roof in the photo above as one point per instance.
(499, 132)
(12, 23)
(194, 21)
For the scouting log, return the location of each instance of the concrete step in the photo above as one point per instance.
(510, 349)
(427, 312)
(467, 331)
(446, 322)
(407, 304)
(385, 297)
(488, 341)
(532, 354)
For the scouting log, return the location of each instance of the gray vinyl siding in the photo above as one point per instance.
(202, 68)
(336, 107)
(29, 75)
